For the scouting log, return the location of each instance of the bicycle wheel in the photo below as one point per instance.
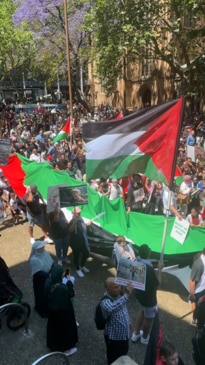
(16, 317)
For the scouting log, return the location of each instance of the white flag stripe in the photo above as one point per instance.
(111, 145)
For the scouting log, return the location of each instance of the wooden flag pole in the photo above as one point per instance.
(68, 60)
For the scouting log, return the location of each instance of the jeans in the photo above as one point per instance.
(61, 246)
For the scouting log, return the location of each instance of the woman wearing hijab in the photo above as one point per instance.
(40, 264)
(61, 327)
(135, 195)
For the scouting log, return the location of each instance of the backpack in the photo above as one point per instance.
(100, 321)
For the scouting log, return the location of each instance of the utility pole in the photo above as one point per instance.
(68, 59)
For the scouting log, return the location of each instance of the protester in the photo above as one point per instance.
(154, 204)
(147, 298)
(15, 210)
(61, 327)
(194, 218)
(196, 190)
(79, 241)
(197, 282)
(198, 340)
(117, 328)
(183, 196)
(170, 207)
(122, 249)
(115, 190)
(135, 195)
(191, 140)
(35, 212)
(60, 234)
(169, 354)
(40, 264)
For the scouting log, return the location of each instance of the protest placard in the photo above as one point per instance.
(179, 230)
(73, 195)
(53, 200)
(133, 272)
(5, 147)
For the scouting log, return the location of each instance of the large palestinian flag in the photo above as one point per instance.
(139, 228)
(144, 141)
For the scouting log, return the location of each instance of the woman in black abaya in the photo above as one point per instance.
(61, 327)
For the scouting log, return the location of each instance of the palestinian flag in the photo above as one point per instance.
(119, 115)
(144, 141)
(136, 227)
(64, 133)
(178, 176)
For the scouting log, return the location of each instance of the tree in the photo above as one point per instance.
(15, 42)
(171, 31)
(46, 21)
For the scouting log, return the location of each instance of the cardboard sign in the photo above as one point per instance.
(179, 230)
(5, 147)
(53, 200)
(133, 272)
(73, 195)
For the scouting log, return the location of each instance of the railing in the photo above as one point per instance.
(6, 306)
(58, 357)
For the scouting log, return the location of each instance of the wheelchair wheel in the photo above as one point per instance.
(16, 317)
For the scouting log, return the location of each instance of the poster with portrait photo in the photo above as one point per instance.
(133, 272)
(73, 195)
(53, 198)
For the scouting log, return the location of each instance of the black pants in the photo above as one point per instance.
(80, 255)
(115, 349)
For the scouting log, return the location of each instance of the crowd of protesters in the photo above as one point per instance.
(32, 135)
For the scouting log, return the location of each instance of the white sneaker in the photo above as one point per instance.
(80, 273)
(144, 341)
(71, 351)
(84, 269)
(48, 240)
(135, 337)
(32, 240)
(77, 323)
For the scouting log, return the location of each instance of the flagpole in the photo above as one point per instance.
(171, 181)
(68, 60)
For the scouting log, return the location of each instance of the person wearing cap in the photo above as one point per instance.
(115, 190)
(40, 264)
(34, 212)
(79, 241)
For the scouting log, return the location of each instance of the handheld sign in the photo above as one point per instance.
(5, 147)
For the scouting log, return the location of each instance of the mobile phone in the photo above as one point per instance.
(67, 272)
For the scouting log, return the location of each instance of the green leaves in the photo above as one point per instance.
(172, 30)
(16, 43)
